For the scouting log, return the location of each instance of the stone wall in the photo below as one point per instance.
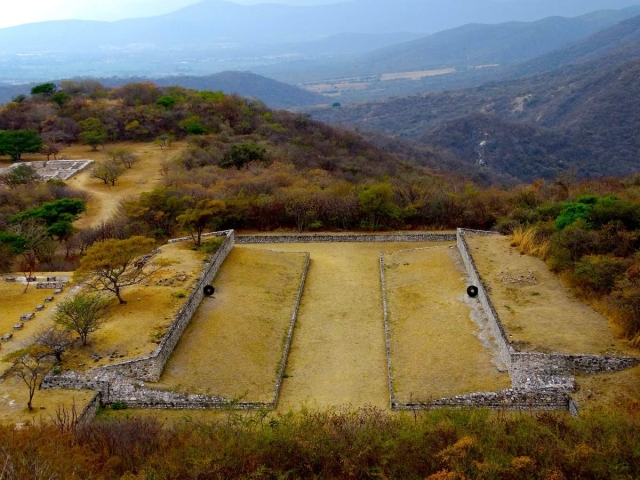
(504, 347)
(150, 368)
(510, 399)
(292, 325)
(89, 412)
(387, 332)
(328, 238)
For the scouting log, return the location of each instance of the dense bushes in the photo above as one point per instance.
(362, 444)
(594, 243)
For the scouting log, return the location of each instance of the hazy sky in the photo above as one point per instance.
(27, 11)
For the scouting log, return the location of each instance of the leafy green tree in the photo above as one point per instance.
(244, 153)
(46, 89)
(166, 101)
(15, 143)
(193, 126)
(93, 133)
(115, 264)
(82, 314)
(376, 201)
(60, 98)
(206, 213)
(57, 215)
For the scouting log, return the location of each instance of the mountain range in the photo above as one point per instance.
(580, 116)
(212, 23)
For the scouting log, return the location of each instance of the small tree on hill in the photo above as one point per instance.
(45, 89)
(93, 133)
(29, 366)
(115, 264)
(164, 140)
(205, 213)
(123, 155)
(82, 314)
(15, 143)
(55, 341)
(108, 172)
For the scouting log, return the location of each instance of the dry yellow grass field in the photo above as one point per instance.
(615, 392)
(234, 344)
(435, 348)
(417, 75)
(338, 352)
(133, 330)
(13, 303)
(14, 396)
(538, 313)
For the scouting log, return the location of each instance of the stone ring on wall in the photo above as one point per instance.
(209, 290)
(472, 291)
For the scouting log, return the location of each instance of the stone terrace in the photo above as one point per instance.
(59, 169)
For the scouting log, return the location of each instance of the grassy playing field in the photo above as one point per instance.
(436, 350)
(234, 344)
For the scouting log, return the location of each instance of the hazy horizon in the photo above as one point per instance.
(32, 11)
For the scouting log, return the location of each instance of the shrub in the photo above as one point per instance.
(599, 273)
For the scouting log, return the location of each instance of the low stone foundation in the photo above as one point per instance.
(328, 238)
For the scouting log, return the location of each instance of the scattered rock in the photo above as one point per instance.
(48, 299)
(10, 279)
(57, 291)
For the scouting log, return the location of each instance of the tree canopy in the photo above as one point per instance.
(115, 264)
(15, 143)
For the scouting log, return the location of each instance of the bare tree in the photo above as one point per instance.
(54, 341)
(28, 364)
(35, 236)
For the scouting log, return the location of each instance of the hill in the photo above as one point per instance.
(275, 94)
(582, 116)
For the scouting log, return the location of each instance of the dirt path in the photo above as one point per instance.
(338, 352)
(144, 176)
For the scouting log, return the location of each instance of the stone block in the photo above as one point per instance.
(27, 316)
(48, 299)
(18, 326)
(10, 279)
(7, 337)
(39, 308)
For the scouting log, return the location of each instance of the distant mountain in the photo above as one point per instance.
(476, 45)
(583, 115)
(275, 94)
(217, 23)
